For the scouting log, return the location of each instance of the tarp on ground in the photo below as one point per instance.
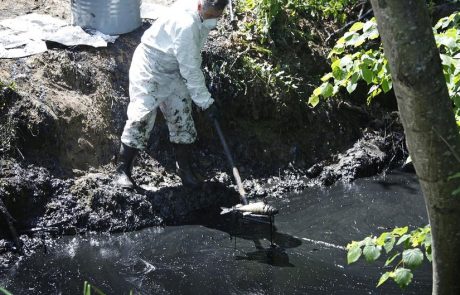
(25, 35)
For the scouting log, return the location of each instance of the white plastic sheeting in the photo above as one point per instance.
(26, 35)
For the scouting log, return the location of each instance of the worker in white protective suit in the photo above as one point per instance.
(166, 73)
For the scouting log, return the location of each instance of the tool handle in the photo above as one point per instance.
(236, 174)
(230, 8)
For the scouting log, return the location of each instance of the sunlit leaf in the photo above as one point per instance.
(356, 27)
(400, 230)
(384, 278)
(327, 77)
(353, 254)
(313, 100)
(351, 86)
(391, 259)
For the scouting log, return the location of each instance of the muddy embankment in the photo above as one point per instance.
(60, 129)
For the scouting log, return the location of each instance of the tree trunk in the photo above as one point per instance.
(431, 132)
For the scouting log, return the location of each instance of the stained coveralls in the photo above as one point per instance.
(166, 72)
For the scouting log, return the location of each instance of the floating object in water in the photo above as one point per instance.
(259, 208)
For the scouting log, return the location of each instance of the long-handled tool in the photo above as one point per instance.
(236, 174)
(259, 212)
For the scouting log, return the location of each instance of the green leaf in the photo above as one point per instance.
(456, 175)
(313, 100)
(400, 230)
(391, 259)
(356, 27)
(428, 254)
(327, 90)
(337, 71)
(368, 25)
(386, 85)
(371, 253)
(368, 241)
(428, 238)
(381, 240)
(367, 74)
(359, 41)
(456, 192)
(403, 239)
(403, 277)
(373, 89)
(341, 40)
(346, 61)
(389, 243)
(351, 86)
(5, 292)
(412, 257)
(384, 278)
(374, 35)
(353, 254)
(327, 77)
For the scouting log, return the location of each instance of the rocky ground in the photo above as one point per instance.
(61, 124)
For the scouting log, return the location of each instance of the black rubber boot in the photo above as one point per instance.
(184, 169)
(125, 166)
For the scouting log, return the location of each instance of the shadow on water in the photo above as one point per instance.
(238, 227)
(233, 224)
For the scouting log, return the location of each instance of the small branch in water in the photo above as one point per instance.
(19, 151)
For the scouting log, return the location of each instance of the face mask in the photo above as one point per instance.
(210, 23)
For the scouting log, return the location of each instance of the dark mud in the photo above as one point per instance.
(50, 206)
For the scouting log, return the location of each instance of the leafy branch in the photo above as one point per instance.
(416, 245)
(358, 57)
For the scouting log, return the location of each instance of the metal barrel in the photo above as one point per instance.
(111, 17)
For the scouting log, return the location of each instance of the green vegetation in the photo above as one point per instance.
(4, 292)
(416, 245)
(274, 44)
(267, 15)
(356, 59)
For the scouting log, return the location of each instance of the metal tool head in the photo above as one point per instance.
(258, 218)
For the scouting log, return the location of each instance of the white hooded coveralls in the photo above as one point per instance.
(166, 72)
